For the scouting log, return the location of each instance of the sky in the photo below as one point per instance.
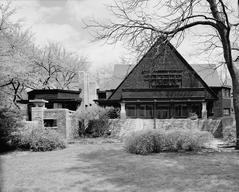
(62, 21)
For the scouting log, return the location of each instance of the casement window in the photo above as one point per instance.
(131, 110)
(50, 123)
(162, 111)
(226, 111)
(226, 93)
(145, 111)
(139, 111)
(181, 110)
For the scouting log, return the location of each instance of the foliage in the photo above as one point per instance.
(95, 120)
(229, 134)
(142, 142)
(187, 140)
(10, 120)
(193, 116)
(38, 139)
(98, 128)
(56, 67)
(14, 43)
(23, 65)
(155, 141)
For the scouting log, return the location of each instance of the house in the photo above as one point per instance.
(55, 99)
(163, 85)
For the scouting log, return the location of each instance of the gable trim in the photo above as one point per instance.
(191, 68)
(132, 70)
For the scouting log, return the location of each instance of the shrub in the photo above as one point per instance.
(229, 134)
(98, 127)
(155, 141)
(95, 120)
(140, 142)
(38, 139)
(10, 120)
(187, 140)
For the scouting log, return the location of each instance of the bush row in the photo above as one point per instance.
(155, 141)
(229, 134)
(14, 133)
(37, 139)
(10, 120)
(95, 120)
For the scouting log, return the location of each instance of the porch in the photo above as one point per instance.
(164, 110)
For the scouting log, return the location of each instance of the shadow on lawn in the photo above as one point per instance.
(121, 171)
(1, 175)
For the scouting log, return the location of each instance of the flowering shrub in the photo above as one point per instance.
(10, 120)
(155, 141)
(229, 134)
(38, 139)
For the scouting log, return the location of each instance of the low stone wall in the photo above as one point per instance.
(61, 116)
(122, 127)
(65, 123)
(30, 124)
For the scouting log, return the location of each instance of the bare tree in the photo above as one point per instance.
(55, 67)
(23, 65)
(14, 77)
(142, 22)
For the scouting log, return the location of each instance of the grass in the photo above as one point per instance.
(106, 167)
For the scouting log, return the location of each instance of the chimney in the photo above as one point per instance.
(84, 85)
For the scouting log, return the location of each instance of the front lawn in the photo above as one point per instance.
(106, 167)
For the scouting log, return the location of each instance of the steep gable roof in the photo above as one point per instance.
(208, 73)
(120, 72)
(152, 53)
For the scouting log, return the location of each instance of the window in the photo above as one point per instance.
(49, 105)
(149, 111)
(226, 93)
(142, 109)
(50, 123)
(178, 110)
(130, 110)
(162, 111)
(226, 111)
(181, 111)
(196, 108)
(145, 111)
(159, 79)
(101, 95)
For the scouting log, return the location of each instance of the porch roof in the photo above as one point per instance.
(162, 94)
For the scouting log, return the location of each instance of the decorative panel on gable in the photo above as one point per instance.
(162, 67)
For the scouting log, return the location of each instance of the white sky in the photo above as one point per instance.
(61, 21)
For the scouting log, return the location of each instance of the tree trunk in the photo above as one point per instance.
(235, 83)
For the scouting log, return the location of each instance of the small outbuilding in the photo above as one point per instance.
(55, 99)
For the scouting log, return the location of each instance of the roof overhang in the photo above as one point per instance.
(53, 101)
(166, 94)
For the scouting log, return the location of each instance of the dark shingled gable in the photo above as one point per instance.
(207, 72)
(159, 57)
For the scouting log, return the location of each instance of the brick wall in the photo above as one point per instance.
(66, 124)
(221, 103)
